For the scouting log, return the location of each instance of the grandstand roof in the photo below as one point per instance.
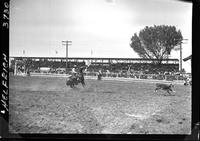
(187, 58)
(93, 58)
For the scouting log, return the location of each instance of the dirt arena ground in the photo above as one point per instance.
(46, 105)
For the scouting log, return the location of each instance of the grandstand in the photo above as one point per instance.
(112, 65)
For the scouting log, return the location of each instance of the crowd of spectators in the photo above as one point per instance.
(127, 70)
(140, 68)
(120, 68)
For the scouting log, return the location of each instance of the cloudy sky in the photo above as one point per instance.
(97, 28)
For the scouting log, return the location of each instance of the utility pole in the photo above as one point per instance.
(67, 43)
(180, 69)
(24, 60)
(180, 57)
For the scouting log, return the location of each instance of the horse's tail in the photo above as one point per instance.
(81, 79)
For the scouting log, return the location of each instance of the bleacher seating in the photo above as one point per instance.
(112, 69)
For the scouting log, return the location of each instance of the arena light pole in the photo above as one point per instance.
(181, 42)
(67, 43)
(180, 48)
(24, 62)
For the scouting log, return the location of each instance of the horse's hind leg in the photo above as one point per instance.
(156, 89)
(71, 86)
(83, 83)
(169, 92)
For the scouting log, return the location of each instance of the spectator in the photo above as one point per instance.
(107, 73)
(99, 75)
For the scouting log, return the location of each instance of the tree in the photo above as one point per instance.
(28, 64)
(156, 42)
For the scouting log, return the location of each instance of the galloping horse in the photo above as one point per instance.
(76, 79)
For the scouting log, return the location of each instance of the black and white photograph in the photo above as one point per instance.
(100, 67)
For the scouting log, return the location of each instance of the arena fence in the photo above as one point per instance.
(141, 76)
(117, 76)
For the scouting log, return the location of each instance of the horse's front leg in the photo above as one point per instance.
(83, 84)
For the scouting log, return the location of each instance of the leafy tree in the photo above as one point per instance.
(156, 42)
(28, 64)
